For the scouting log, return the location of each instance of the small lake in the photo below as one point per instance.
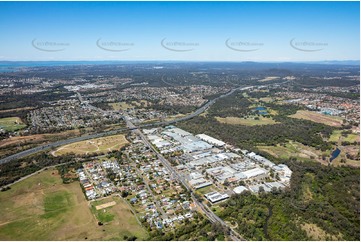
(261, 110)
(334, 154)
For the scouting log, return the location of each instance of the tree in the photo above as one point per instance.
(124, 194)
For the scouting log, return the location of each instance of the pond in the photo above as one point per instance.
(261, 110)
(334, 154)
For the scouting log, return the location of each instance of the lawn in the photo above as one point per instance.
(248, 122)
(43, 208)
(11, 124)
(103, 215)
(335, 136)
(318, 118)
(118, 218)
(352, 138)
(104, 144)
(208, 189)
(56, 203)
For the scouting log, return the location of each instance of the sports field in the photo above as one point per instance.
(43, 208)
(104, 144)
(318, 118)
(248, 122)
(11, 124)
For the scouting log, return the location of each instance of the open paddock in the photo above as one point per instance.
(248, 121)
(11, 124)
(43, 208)
(318, 118)
(104, 144)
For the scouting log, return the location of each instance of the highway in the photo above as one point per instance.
(113, 132)
(56, 144)
(116, 131)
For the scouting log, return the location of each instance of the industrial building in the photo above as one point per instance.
(199, 183)
(214, 197)
(210, 140)
(240, 189)
(260, 159)
(255, 172)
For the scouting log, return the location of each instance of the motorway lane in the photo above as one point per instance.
(92, 136)
(58, 143)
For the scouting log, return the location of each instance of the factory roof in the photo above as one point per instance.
(254, 172)
(240, 189)
(216, 196)
(210, 139)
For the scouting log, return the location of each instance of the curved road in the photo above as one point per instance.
(113, 132)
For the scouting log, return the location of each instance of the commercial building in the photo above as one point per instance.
(240, 189)
(214, 197)
(210, 140)
(199, 183)
(260, 159)
(255, 172)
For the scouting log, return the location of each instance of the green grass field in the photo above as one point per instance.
(43, 208)
(103, 215)
(11, 124)
(104, 144)
(56, 203)
(248, 122)
(208, 189)
(352, 138)
(337, 135)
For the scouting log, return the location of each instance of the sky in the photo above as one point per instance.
(180, 31)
